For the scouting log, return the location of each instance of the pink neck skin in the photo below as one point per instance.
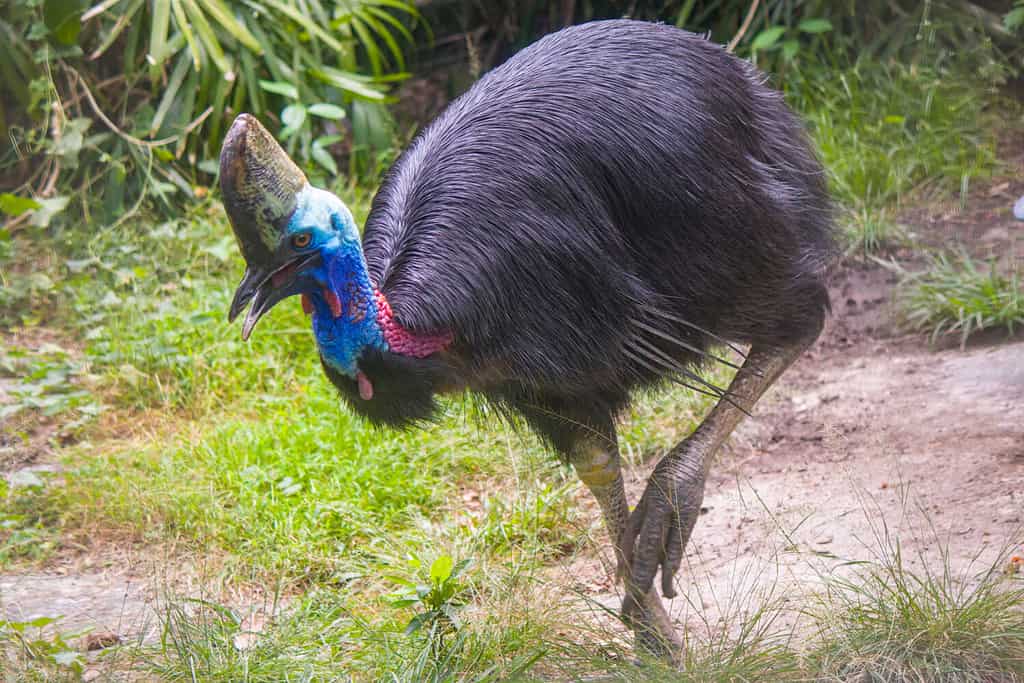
(399, 339)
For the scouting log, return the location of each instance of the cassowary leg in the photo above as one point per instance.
(596, 460)
(659, 528)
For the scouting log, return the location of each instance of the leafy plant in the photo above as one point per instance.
(137, 102)
(786, 40)
(534, 520)
(1014, 19)
(26, 520)
(30, 643)
(439, 598)
(46, 381)
(888, 132)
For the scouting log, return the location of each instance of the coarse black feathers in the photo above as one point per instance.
(591, 217)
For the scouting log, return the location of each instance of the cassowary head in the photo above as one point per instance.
(297, 239)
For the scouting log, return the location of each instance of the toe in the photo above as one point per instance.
(650, 545)
(673, 558)
(627, 542)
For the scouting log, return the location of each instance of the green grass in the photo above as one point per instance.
(890, 133)
(955, 295)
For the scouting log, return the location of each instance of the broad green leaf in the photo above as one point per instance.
(767, 38)
(790, 48)
(441, 569)
(72, 138)
(292, 116)
(63, 18)
(210, 166)
(222, 15)
(286, 89)
(815, 26)
(325, 140)
(1014, 19)
(327, 111)
(348, 82)
(416, 623)
(324, 158)
(13, 205)
(68, 658)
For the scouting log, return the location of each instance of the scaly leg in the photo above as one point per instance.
(659, 528)
(596, 459)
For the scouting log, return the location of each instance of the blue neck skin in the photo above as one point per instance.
(342, 271)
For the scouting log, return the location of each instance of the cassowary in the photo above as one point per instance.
(591, 218)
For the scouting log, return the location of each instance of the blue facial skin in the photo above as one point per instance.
(342, 271)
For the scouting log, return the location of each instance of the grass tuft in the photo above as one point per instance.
(956, 295)
(891, 623)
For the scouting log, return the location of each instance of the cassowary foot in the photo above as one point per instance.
(657, 531)
(659, 528)
(599, 468)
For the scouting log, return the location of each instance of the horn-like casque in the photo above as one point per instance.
(259, 184)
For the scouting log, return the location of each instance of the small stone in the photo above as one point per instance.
(90, 675)
(101, 640)
(1018, 209)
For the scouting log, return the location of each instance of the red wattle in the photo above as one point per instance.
(333, 301)
(401, 340)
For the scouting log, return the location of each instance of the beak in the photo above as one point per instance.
(247, 289)
(259, 185)
(265, 288)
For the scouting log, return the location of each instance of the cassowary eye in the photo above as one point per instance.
(301, 241)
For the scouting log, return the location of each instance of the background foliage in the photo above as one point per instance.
(111, 104)
(126, 98)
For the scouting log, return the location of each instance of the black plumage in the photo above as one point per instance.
(590, 218)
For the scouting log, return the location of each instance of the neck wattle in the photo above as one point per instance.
(401, 340)
(350, 315)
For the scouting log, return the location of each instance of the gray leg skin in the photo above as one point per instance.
(657, 532)
(597, 463)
